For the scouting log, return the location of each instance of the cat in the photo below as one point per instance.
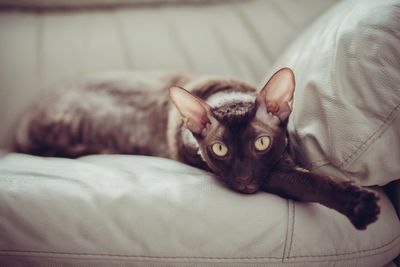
(220, 125)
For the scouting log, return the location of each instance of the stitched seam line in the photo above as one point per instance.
(363, 146)
(351, 253)
(133, 256)
(287, 228)
(292, 232)
(204, 258)
(368, 141)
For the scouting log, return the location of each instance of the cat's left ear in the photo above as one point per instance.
(277, 94)
(195, 113)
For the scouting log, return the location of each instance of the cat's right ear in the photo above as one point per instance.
(277, 95)
(195, 112)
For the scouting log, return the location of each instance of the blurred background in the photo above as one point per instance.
(44, 43)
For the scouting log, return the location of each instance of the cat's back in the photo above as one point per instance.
(116, 112)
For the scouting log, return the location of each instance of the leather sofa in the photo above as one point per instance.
(127, 210)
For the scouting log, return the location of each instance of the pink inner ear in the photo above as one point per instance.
(280, 88)
(193, 110)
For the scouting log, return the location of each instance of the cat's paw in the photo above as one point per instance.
(363, 208)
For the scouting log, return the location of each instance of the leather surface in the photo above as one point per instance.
(346, 110)
(115, 209)
(49, 4)
(42, 49)
(136, 211)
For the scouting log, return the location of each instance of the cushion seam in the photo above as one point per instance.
(13, 252)
(292, 232)
(287, 228)
(369, 141)
(352, 253)
(362, 147)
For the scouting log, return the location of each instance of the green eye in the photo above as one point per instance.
(219, 149)
(262, 143)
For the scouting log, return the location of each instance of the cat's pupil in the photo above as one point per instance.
(220, 148)
(262, 141)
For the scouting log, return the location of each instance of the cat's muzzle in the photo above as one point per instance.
(246, 185)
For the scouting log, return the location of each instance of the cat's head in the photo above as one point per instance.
(241, 141)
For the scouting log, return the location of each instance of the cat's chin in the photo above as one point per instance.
(247, 189)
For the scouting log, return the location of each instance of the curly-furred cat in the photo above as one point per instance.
(220, 125)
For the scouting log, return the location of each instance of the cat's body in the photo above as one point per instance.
(228, 128)
(114, 113)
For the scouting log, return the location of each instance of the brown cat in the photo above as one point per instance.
(219, 125)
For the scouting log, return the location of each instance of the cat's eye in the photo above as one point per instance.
(262, 143)
(219, 149)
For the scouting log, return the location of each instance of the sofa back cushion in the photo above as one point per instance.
(346, 111)
(43, 4)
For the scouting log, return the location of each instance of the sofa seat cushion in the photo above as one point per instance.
(109, 210)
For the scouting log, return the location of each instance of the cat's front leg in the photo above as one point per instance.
(359, 204)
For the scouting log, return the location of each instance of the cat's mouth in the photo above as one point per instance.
(245, 184)
(247, 188)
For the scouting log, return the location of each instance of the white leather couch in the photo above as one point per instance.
(125, 210)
